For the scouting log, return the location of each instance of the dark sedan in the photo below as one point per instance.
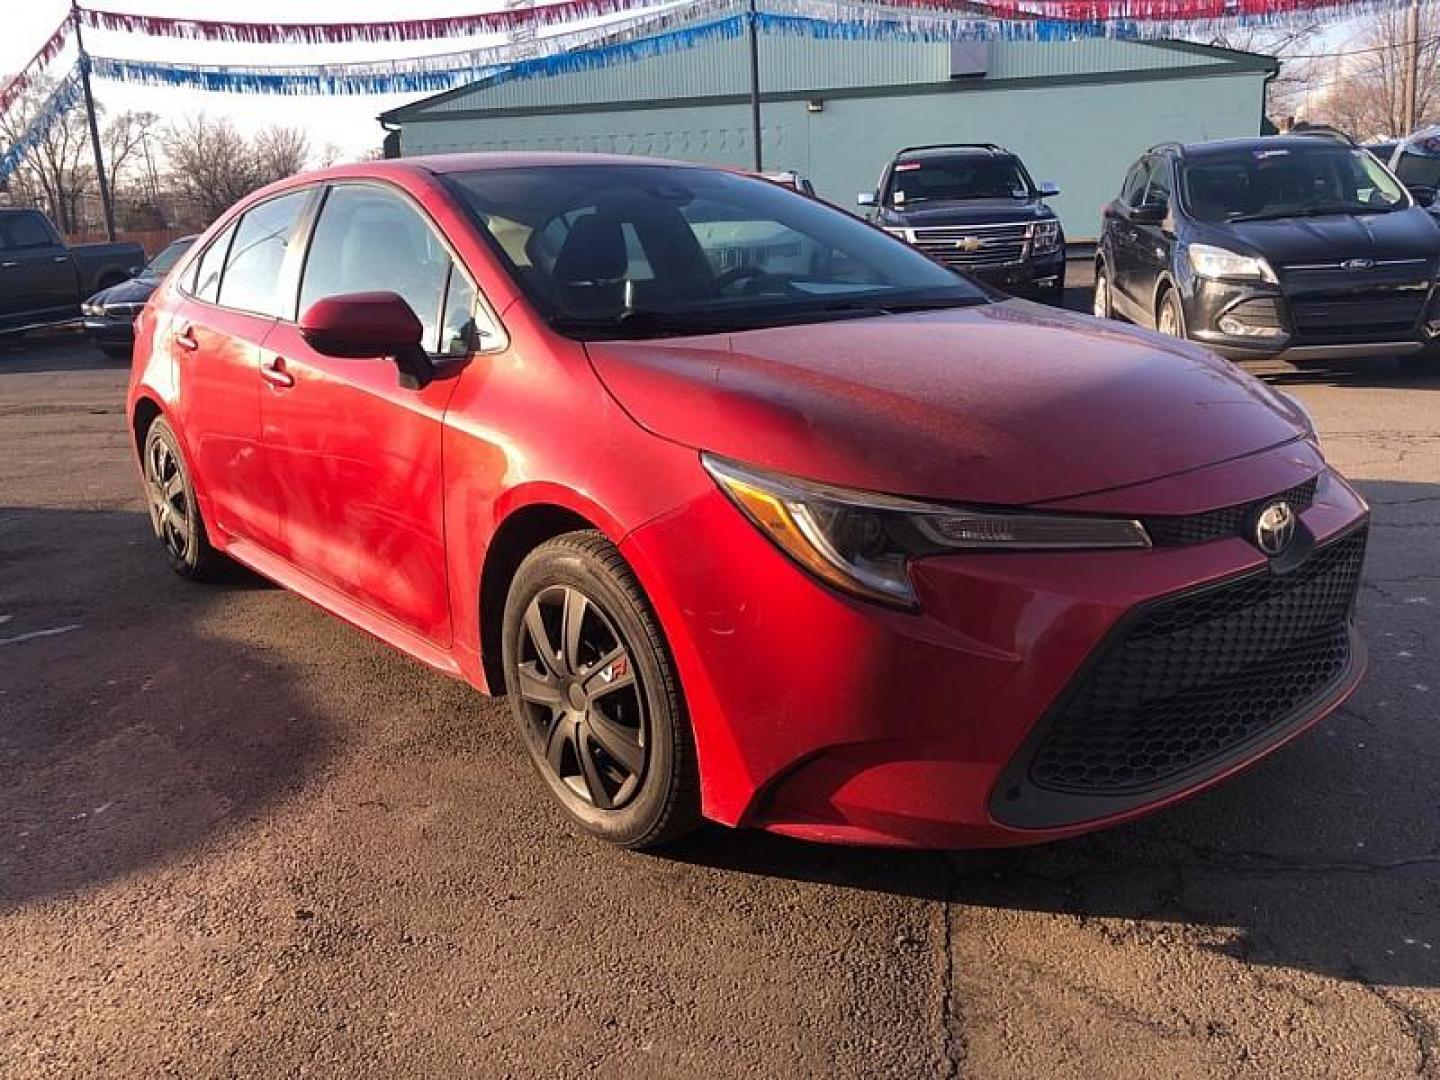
(110, 313)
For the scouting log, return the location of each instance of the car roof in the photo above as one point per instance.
(479, 161)
(1220, 147)
(958, 150)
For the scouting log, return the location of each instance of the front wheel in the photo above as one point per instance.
(1104, 306)
(594, 693)
(1169, 316)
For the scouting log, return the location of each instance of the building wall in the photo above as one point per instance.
(1082, 136)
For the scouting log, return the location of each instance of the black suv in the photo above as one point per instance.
(1296, 247)
(974, 208)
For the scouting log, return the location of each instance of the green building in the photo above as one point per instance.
(1077, 112)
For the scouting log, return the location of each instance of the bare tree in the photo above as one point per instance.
(213, 164)
(210, 162)
(58, 172)
(123, 142)
(280, 152)
(1363, 90)
(1293, 47)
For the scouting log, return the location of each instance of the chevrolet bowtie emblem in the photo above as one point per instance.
(969, 243)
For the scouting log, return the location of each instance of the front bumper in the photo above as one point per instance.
(1038, 277)
(1316, 315)
(836, 720)
(106, 331)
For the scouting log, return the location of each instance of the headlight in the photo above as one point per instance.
(1046, 235)
(1215, 262)
(88, 308)
(862, 543)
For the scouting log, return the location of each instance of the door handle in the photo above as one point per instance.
(8, 265)
(186, 339)
(60, 258)
(273, 371)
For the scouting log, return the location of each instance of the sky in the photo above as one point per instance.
(348, 121)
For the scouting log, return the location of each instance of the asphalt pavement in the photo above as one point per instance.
(238, 838)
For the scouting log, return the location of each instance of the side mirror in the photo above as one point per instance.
(1423, 194)
(1149, 213)
(1049, 189)
(361, 326)
(865, 198)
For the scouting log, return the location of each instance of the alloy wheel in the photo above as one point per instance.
(582, 699)
(169, 500)
(1101, 308)
(1169, 321)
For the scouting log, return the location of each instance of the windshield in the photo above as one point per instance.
(647, 250)
(159, 266)
(1277, 182)
(963, 176)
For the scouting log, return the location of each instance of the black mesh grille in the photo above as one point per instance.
(1192, 678)
(1178, 531)
(1263, 313)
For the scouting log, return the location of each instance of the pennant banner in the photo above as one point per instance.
(489, 22)
(25, 77)
(65, 97)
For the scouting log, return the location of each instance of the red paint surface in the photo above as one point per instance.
(815, 714)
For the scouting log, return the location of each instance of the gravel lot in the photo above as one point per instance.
(239, 838)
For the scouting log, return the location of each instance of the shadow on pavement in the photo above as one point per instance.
(54, 350)
(1325, 857)
(132, 729)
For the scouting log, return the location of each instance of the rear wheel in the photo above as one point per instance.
(1104, 306)
(1169, 316)
(174, 513)
(594, 693)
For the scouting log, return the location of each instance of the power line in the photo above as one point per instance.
(1356, 52)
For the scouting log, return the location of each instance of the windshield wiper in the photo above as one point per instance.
(881, 305)
(1311, 211)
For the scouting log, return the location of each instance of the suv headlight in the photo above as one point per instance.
(862, 543)
(1045, 235)
(1209, 261)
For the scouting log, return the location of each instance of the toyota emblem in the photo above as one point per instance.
(1275, 528)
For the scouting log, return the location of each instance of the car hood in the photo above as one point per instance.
(1006, 404)
(969, 212)
(1401, 234)
(135, 291)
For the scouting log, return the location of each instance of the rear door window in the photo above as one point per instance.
(253, 280)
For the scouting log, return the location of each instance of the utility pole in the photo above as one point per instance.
(755, 85)
(1412, 67)
(84, 63)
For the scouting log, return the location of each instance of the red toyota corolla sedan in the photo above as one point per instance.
(755, 513)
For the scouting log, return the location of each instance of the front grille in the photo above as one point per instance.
(1373, 315)
(1181, 530)
(1187, 681)
(999, 245)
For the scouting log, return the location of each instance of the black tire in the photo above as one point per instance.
(1169, 308)
(174, 513)
(1103, 305)
(577, 709)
